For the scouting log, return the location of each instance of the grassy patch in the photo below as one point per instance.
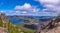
(1, 23)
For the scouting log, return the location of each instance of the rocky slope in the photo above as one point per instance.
(2, 29)
(54, 30)
(55, 22)
(6, 26)
(10, 27)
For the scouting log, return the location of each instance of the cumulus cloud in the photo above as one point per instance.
(53, 2)
(23, 7)
(27, 7)
(51, 5)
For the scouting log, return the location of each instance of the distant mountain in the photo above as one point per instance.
(34, 17)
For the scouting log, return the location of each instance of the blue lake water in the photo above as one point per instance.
(15, 21)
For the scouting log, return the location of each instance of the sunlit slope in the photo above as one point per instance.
(4, 20)
(13, 28)
(1, 23)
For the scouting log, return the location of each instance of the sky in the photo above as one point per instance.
(10, 4)
(30, 7)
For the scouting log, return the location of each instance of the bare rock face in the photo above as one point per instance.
(55, 30)
(52, 27)
(3, 30)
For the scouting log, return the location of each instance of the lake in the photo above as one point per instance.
(15, 21)
(18, 21)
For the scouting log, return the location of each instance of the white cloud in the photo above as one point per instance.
(23, 7)
(51, 5)
(55, 2)
(35, 11)
(24, 12)
(27, 7)
(1, 11)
